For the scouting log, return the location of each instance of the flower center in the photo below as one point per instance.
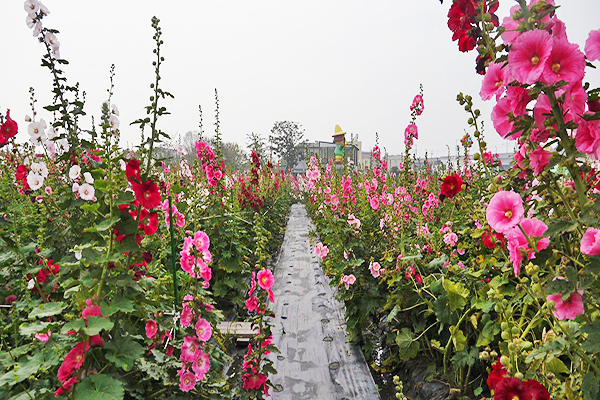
(498, 84)
(147, 195)
(515, 398)
(508, 214)
(535, 60)
(556, 68)
(78, 358)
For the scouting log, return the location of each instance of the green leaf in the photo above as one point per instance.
(408, 347)
(27, 329)
(123, 352)
(104, 225)
(592, 343)
(490, 329)
(74, 325)
(47, 310)
(99, 387)
(392, 314)
(590, 387)
(93, 207)
(556, 366)
(119, 303)
(458, 338)
(96, 324)
(457, 294)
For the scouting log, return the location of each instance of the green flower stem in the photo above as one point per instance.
(447, 348)
(561, 194)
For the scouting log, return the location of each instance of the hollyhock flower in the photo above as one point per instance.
(114, 123)
(188, 263)
(21, 173)
(528, 55)
(587, 138)
(451, 186)
(190, 350)
(592, 45)
(496, 375)
(517, 241)
(74, 172)
(518, 98)
(575, 101)
(375, 267)
(201, 241)
(450, 239)
(43, 337)
(147, 194)
(34, 180)
(203, 330)
(348, 280)
(501, 114)
(265, 279)
(566, 63)
(494, 81)
(590, 242)
(374, 202)
(187, 313)
(418, 279)
(187, 381)
(87, 192)
(133, 170)
(568, 309)
(514, 388)
(92, 310)
(88, 177)
(539, 159)
(201, 366)
(537, 390)
(36, 131)
(151, 329)
(411, 132)
(504, 211)
(417, 105)
(73, 361)
(9, 128)
(252, 304)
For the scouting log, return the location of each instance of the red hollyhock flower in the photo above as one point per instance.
(152, 226)
(496, 375)
(147, 194)
(21, 172)
(511, 389)
(73, 361)
(254, 381)
(133, 171)
(451, 186)
(8, 129)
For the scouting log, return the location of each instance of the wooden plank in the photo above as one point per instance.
(239, 329)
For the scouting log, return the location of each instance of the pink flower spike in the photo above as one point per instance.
(151, 329)
(265, 279)
(203, 330)
(568, 309)
(494, 81)
(528, 55)
(590, 243)
(539, 159)
(592, 46)
(504, 211)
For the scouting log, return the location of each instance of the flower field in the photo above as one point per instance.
(118, 265)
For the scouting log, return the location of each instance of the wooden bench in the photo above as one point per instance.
(241, 330)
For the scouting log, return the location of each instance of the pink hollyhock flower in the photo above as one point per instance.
(190, 350)
(252, 304)
(501, 119)
(348, 280)
(539, 158)
(374, 267)
(203, 330)
(201, 241)
(265, 279)
(43, 337)
(592, 46)
(518, 98)
(73, 361)
(254, 381)
(510, 25)
(374, 202)
(450, 239)
(494, 81)
(92, 310)
(556, 28)
(186, 316)
(517, 241)
(528, 55)
(568, 309)
(187, 262)
(151, 329)
(201, 366)
(590, 242)
(418, 279)
(575, 101)
(566, 63)
(587, 138)
(504, 211)
(187, 381)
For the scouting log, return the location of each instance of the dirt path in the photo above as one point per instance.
(315, 362)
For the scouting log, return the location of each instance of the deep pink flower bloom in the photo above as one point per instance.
(533, 228)
(186, 316)
(587, 138)
(568, 309)
(374, 202)
(501, 119)
(43, 337)
(151, 329)
(556, 28)
(201, 241)
(375, 267)
(566, 63)
(510, 25)
(187, 381)
(203, 330)
(518, 98)
(528, 55)
(575, 101)
(592, 46)
(265, 279)
(504, 211)
(189, 349)
(348, 280)
(201, 366)
(252, 304)
(494, 81)
(539, 158)
(590, 242)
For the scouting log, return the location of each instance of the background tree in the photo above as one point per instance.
(287, 142)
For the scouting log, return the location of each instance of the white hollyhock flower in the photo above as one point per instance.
(114, 110)
(75, 188)
(62, 145)
(30, 284)
(40, 169)
(51, 133)
(35, 181)
(37, 29)
(32, 7)
(114, 122)
(88, 177)
(44, 9)
(36, 131)
(75, 172)
(87, 191)
(77, 254)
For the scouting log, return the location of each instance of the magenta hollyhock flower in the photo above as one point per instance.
(201, 241)
(592, 46)
(587, 138)
(539, 159)
(518, 98)
(189, 349)
(151, 329)
(73, 361)
(494, 81)
(568, 309)
(528, 55)
(501, 119)
(504, 211)
(575, 101)
(187, 262)
(43, 337)
(510, 25)
(265, 279)
(590, 242)
(186, 316)
(566, 63)
(252, 304)
(187, 381)
(203, 330)
(411, 131)
(374, 202)
(556, 28)
(201, 366)
(517, 241)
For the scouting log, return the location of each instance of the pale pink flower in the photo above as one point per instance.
(151, 329)
(375, 267)
(494, 81)
(539, 159)
(87, 191)
(187, 381)
(592, 45)
(203, 330)
(510, 25)
(35, 181)
(566, 63)
(528, 55)
(568, 309)
(265, 279)
(450, 239)
(504, 211)
(48, 190)
(590, 242)
(348, 280)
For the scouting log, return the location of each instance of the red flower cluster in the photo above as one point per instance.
(49, 269)
(515, 389)
(8, 129)
(146, 193)
(490, 239)
(249, 195)
(451, 186)
(497, 374)
(462, 22)
(253, 380)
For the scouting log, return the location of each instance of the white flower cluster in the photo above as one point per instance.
(86, 191)
(38, 171)
(49, 139)
(113, 121)
(34, 21)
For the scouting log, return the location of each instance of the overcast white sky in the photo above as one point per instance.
(317, 62)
